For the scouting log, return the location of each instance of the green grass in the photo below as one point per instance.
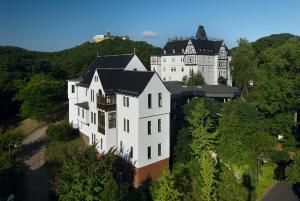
(265, 180)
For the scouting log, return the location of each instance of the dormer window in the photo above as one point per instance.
(182, 50)
(165, 52)
(173, 51)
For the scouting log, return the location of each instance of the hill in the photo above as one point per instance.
(17, 63)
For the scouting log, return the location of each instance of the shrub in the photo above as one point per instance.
(61, 132)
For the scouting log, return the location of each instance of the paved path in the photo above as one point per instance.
(282, 191)
(35, 182)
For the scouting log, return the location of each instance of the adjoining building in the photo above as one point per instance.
(182, 57)
(119, 104)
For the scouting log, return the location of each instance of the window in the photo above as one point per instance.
(159, 99)
(182, 69)
(127, 125)
(95, 118)
(159, 125)
(149, 127)
(93, 138)
(131, 152)
(73, 88)
(159, 149)
(92, 119)
(124, 124)
(78, 111)
(101, 119)
(92, 95)
(112, 120)
(149, 101)
(101, 143)
(82, 113)
(121, 147)
(149, 152)
(125, 101)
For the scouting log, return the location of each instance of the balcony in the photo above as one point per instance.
(106, 103)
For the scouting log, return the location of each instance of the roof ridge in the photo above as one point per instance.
(111, 55)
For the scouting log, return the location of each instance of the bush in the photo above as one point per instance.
(61, 132)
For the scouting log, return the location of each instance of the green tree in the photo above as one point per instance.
(240, 128)
(84, 176)
(228, 187)
(202, 145)
(10, 147)
(243, 64)
(293, 171)
(194, 79)
(41, 98)
(164, 189)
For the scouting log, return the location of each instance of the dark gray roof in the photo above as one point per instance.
(203, 47)
(106, 62)
(213, 91)
(123, 81)
(84, 105)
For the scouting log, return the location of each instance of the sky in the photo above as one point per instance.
(54, 25)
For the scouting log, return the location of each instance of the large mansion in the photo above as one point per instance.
(119, 104)
(182, 57)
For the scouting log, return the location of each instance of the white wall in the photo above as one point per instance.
(135, 64)
(131, 138)
(154, 87)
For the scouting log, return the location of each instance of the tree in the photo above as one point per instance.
(240, 128)
(203, 142)
(194, 79)
(41, 98)
(228, 187)
(243, 64)
(10, 146)
(293, 171)
(164, 189)
(85, 177)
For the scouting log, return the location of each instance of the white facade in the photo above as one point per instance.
(128, 131)
(181, 58)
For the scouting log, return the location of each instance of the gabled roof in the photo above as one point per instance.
(177, 45)
(203, 47)
(106, 62)
(126, 82)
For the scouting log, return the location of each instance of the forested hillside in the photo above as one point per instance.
(19, 64)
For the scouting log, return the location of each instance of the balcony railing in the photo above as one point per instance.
(106, 103)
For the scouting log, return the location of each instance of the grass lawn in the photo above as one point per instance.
(29, 125)
(266, 179)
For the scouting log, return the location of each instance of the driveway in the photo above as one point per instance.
(282, 191)
(35, 182)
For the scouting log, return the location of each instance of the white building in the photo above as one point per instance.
(180, 58)
(119, 104)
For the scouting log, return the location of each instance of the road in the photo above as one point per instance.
(282, 191)
(35, 181)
